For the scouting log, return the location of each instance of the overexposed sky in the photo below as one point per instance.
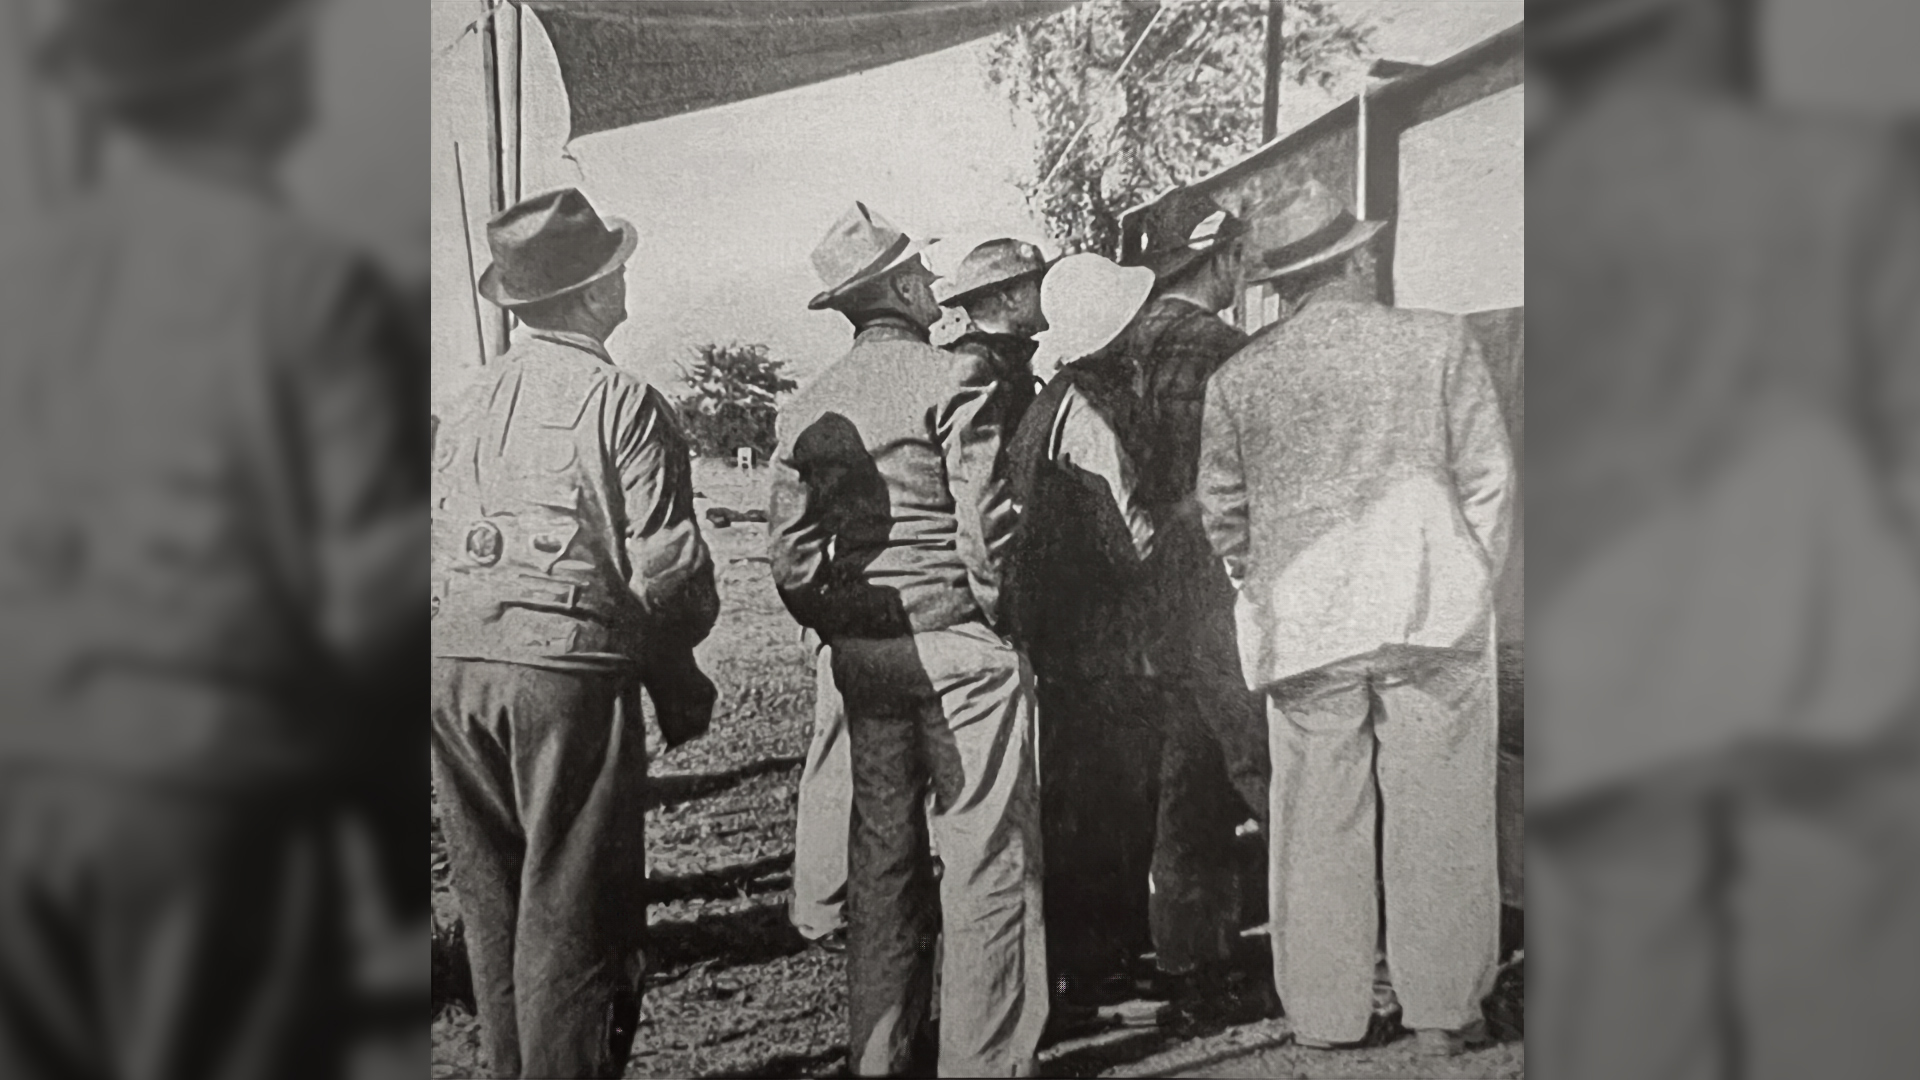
(730, 201)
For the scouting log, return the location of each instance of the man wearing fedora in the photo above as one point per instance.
(210, 550)
(998, 286)
(1077, 605)
(888, 527)
(1355, 479)
(568, 570)
(1213, 774)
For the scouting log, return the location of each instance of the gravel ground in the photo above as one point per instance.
(730, 991)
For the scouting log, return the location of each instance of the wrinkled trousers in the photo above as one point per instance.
(1405, 743)
(540, 776)
(826, 804)
(949, 712)
(159, 932)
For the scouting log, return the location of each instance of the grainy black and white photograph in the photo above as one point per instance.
(960, 538)
(978, 539)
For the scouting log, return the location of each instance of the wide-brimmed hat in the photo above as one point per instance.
(1170, 251)
(1562, 25)
(551, 244)
(992, 264)
(1088, 300)
(861, 247)
(1306, 228)
(114, 50)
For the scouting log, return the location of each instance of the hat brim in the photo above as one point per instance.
(491, 288)
(976, 291)
(1056, 349)
(875, 270)
(1165, 264)
(1360, 233)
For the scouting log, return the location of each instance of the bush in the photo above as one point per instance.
(733, 396)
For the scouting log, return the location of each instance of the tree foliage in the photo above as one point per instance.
(733, 394)
(1188, 104)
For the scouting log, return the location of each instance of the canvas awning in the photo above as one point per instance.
(626, 63)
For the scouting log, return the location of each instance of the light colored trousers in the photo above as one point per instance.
(826, 803)
(951, 713)
(1401, 742)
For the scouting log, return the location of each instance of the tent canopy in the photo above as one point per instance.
(626, 63)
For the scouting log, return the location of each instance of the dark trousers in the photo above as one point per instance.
(540, 777)
(151, 932)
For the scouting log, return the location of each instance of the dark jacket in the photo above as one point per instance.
(888, 513)
(211, 483)
(1075, 588)
(1010, 358)
(564, 534)
(1177, 347)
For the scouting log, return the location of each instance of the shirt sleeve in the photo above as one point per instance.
(1088, 448)
(1222, 486)
(670, 569)
(971, 435)
(354, 380)
(1478, 453)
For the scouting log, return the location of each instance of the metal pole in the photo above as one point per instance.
(496, 185)
(1276, 47)
(466, 243)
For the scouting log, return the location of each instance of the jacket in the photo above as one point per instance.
(1076, 586)
(563, 527)
(211, 484)
(889, 513)
(1355, 479)
(1010, 358)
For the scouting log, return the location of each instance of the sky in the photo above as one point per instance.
(730, 201)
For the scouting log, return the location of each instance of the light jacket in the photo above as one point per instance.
(563, 526)
(889, 513)
(1355, 480)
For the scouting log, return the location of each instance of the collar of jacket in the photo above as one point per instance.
(1012, 348)
(574, 340)
(888, 327)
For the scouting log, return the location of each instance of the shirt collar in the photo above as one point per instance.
(888, 327)
(576, 340)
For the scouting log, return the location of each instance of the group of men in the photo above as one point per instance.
(1103, 579)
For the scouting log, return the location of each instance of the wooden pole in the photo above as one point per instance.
(496, 185)
(1276, 47)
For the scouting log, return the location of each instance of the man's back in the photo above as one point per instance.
(1376, 476)
(211, 448)
(889, 457)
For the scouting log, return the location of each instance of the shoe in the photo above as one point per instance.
(1382, 1028)
(1439, 1042)
(833, 941)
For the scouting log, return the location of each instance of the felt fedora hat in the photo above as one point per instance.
(114, 50)
(994, 263)
(1088, 300)
(1168, 252)
(551, 244)
(1308, 227)
(1569, 25)
(861, 247)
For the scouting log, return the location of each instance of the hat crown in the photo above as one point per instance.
(136, 42)
(549, 243)
(1306, 211)
(1088, 300)
(994, 262)
(858, 241)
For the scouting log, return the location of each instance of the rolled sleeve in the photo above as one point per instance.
(670, 568)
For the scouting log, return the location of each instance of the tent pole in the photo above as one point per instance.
(1276, 48)
(496, 187)
(519, 96)
(466, 244)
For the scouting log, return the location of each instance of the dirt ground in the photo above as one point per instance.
(729, 990)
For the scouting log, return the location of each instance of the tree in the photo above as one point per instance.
(733, 396)
(1188, 104)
